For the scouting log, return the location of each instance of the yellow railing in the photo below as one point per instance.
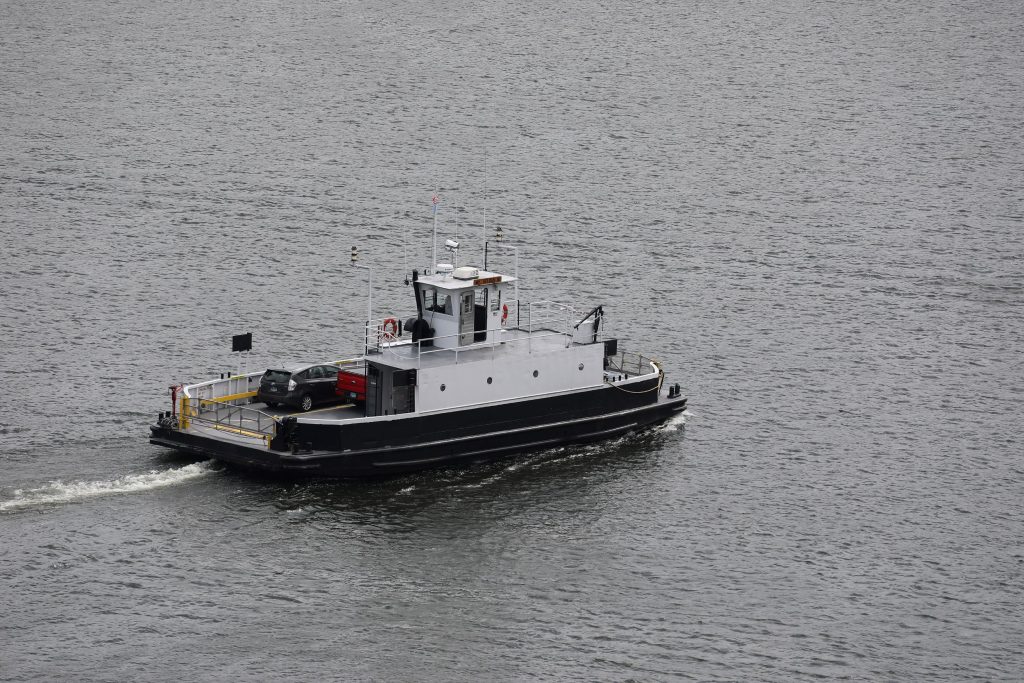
(234, 397)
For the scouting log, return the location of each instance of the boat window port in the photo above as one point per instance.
(490, 380)
(437, 302)
(442, 387)
(536, 373)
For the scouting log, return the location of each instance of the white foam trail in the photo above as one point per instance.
(676, 422)
(60, 492)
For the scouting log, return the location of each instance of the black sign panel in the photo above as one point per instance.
(241, 342)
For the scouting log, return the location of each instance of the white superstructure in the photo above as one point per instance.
(477, 345)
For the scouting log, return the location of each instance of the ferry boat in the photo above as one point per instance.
(474, 375)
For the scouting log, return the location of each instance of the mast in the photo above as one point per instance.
(434, 200)
(369, 292)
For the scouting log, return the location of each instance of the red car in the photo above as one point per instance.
(351, 385)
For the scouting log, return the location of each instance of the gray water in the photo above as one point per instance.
(810, 212)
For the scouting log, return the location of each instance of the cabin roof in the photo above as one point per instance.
(447, 282)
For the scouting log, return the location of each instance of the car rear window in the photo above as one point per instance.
(279, 376)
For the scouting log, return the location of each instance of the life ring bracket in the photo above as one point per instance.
(389, 330)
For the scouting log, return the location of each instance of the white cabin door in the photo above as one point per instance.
(466, 318)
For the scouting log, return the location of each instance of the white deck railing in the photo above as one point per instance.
(545, 321)
(222, 402)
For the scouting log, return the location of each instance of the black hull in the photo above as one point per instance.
(374, 449)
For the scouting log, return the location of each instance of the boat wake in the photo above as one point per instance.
(56, 492)
(677, 422)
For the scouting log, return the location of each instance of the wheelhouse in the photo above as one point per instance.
(465, 306)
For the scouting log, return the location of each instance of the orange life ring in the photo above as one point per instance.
(389, 329)
(504, 314)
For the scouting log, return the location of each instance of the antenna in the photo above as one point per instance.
(499, 237)
(435, 200)
(405, 257)
(486, 178)
(369, 291)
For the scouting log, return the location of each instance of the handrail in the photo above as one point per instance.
(557, 317)
(221, 393)
(625, 361)
(552, 318)
(234, 384)
(232, 392)
(383, 332)
(568, 313)
(415, 351)
(240, 420)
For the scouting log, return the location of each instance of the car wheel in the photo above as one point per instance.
(307, 403)
(271, 404)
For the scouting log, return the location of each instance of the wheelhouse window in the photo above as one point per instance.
(435, 301)
(429, 299)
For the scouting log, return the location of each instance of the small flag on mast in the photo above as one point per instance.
(435, 200)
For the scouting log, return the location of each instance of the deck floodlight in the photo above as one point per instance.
(499, 235)
(451, 245)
